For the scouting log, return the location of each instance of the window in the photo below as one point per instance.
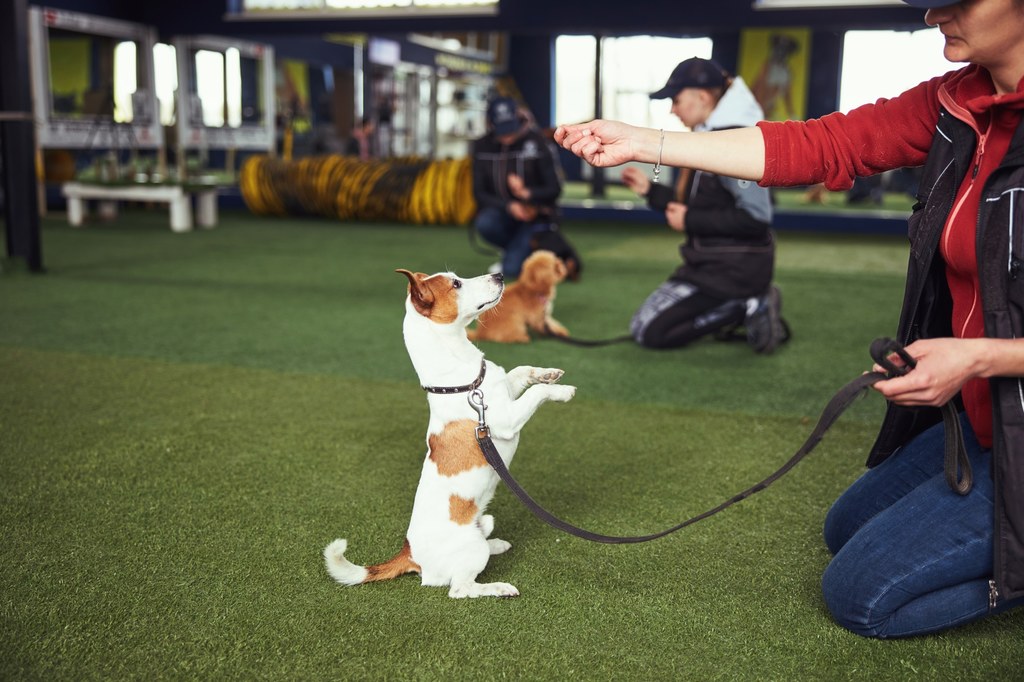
(166, 69)
(633, 67)
(574, 78)
(126, 80)
(210, 86)
(868, 71)
(92, 75)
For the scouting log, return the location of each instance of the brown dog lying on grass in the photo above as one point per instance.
(527, 304)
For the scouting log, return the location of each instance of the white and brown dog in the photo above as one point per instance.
(447, 542)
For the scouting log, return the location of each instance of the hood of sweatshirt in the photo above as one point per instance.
(737, 109)
(971, 90)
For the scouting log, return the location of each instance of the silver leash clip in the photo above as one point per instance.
(476, 401)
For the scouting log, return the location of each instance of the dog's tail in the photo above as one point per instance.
(347, 573)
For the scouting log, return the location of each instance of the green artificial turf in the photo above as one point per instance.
(187, 420)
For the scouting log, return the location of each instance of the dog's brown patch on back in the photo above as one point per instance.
(455, 449)
(397, 565)
(461, 510)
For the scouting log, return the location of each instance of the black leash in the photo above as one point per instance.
(589, 343)
(724, 335)
(475, 245)
(957, 466)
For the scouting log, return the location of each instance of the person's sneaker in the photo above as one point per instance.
(766, 330)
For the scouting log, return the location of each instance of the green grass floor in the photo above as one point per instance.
(187, 420)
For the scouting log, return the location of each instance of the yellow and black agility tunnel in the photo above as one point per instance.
(404, 189)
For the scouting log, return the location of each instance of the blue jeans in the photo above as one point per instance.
(911, 555)
(512, 236)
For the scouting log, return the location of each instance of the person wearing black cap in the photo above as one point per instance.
(911, 554)
(729, 252)
(516, 183)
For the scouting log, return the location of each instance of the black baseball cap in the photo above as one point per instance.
(930, 4)
(502, 114)
(693, 73)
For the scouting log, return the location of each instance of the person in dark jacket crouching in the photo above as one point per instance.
(516, 183)
(729, 252)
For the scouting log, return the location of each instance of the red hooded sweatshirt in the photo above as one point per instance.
(896, 133)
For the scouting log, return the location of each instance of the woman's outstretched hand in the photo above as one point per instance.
(600, 143)
(735, 152)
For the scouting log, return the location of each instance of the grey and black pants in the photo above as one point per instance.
(677, 313)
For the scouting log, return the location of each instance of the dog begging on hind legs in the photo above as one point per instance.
(448, 541)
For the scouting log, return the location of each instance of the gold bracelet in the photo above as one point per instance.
(661, 145)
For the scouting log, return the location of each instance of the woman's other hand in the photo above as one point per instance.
(675, 216)
(945, 365)
(636, 180)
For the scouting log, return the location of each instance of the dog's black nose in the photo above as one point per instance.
(498, 277)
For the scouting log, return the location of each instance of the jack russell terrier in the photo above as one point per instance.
(448, 541)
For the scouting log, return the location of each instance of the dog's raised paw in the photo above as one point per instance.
(562, 393)
(547, 376)
(499, 546)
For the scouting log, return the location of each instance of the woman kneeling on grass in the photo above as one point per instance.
(911, 556)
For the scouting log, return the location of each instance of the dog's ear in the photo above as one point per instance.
(528, 275)
(422, 298)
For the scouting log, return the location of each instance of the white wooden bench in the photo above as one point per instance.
(178, 197)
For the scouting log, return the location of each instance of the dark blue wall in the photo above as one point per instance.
(535, 17)
(531, 64)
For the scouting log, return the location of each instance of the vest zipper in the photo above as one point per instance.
(951, 219)
(1014, 262)
(980, 152)
(993, 595)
